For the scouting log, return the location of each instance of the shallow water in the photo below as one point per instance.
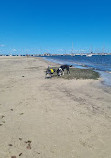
(100, 63)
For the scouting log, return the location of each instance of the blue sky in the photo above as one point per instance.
(32, 26)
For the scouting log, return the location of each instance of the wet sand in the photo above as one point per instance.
(51, 118)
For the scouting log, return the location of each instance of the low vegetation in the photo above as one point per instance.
(76, 73)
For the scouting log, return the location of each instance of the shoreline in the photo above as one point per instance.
(51, 117)
(104, 75)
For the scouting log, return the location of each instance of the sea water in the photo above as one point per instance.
(100, 63)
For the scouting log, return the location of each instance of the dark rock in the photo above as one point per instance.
(20, 138)
(20, 154)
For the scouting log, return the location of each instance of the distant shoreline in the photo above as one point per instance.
(45, 55)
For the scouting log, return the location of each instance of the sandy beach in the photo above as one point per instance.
(51, 118)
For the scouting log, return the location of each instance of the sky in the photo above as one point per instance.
(55, 26)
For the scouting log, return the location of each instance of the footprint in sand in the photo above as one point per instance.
(21, 113)
(2, 116)
(29, 144)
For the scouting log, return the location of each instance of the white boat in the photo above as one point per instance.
(89, 55)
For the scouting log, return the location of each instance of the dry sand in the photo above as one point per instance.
(51, 118)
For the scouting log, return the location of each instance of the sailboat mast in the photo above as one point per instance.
(72, 47)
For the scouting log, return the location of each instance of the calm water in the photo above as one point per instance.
(101, 63)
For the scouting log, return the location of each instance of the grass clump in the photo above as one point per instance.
(76, 73)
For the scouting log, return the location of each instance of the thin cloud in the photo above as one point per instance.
(2, 45)
(14, 50)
